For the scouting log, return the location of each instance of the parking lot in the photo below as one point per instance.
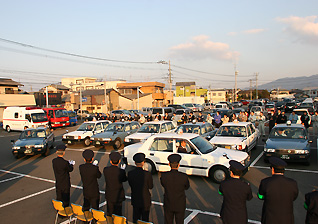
(27, 186)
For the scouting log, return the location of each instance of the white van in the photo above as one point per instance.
(20, 118)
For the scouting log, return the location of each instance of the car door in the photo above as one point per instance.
(255, 133)
(191, 162)
(98, 128)
(159, 151)
(49, 137)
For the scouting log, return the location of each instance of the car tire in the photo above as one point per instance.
(8, 129)
(150, 167)
(266, 159)
(17, 156)
(219, 174)
(87, 142)
(117, 143)
(47, 151)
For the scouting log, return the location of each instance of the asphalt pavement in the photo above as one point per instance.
(27, 186)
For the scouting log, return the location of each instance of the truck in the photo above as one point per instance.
(57, 117)
(21, 118)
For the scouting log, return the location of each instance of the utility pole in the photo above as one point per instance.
(251, 96)
(81, 103)
(47, 97)
(236, 73)
(256, 74)
(170, 79)
(105, 95)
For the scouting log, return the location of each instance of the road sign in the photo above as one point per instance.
(84, 99)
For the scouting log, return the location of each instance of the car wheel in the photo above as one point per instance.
(117, 143)
(87, 142)
(266, 159)
(150, 167)
(8, 129)
(17, 156)
(219, 174)
(47, 151)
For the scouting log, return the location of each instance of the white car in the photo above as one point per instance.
(148, 129)
(300, 112)
(200, 158)
(85, 131)
(241, 136)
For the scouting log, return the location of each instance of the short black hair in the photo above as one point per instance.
(237, 172)
(89, 160)
(115, 162)
(174, 165)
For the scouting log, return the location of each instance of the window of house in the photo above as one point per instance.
(214, 94)
(79, 81)
(89, 87)
(219, 94)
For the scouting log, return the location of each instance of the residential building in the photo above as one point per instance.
(86, 83)
(154, 88)
(312, 92)
(8, 86)
(216, 95)
(56, 88)
(279, 94)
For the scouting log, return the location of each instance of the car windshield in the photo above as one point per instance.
(72, 114)
(115, 127)
(86, 127)
(149, 128)
(157, 110)
(188, 105)
(290, 104)
(232, 131)
(179, 112)
(33, 134)
(254, 109)
(306, 105)
(288, 133)
(269, 106)
(126, 111)
(203, 145)
(189, 129)
(299, 113)
(39, 117)
(60, 113)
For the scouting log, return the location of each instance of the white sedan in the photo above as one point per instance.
(199, 157)
(241, 136)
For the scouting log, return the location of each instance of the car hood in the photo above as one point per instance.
(31, 141)
(286, 143)
(78, 133)
(106, 134)
(226, 140)
(230, 153)
(140, 135)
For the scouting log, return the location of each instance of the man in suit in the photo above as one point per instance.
(114, 178)
(279, 193)
(184, 118)
(140, 182)
(89, 175)
(311, 205)
(272, 121)
(175, 184)
(62, 169)
(235, 193)
(191, 117)
(200, 118)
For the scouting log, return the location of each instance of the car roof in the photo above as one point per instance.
(290, 125)
(176, 135)
(157, 122)
(38, 128)
(197, 123)
(236, 124)
(95, 122)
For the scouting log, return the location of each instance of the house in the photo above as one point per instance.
(154, 88)
(56, 88)
(8, 86)
(87, 83)
(311, 92)
(216, 95)
(185, 89)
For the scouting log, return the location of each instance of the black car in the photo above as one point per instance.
(280, 105)
(290, 106)
(33, 141)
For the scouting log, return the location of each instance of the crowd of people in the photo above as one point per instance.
(278, 191)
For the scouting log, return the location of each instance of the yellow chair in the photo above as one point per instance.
(99, 216)
(119, 219)
(66, 212)
(86, 216)
(143, 222)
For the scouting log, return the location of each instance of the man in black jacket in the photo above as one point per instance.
(114, 178)
(140, 182)
(89, 175)
(311, 205)
(272, 121)
(62, 169)
(235, 193)
(175, 184)
(278, 193)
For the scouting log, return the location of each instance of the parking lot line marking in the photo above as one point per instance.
(12, 178)
(102, 192)
(293, 170)
(26, 197)
(191, 216)
(257, 158)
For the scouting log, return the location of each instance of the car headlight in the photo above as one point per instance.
(92, 139)
(64, 136)
(127, 140)
(67, 121)
(107, 139)
(239, 147)
(39, 146)
(269, 150)
(16, 147)
(79, 137)
(301, 151)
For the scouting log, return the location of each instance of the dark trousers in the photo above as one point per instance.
(114, 208)
(171, 215)
(63, 196)
(140, 213)
(91, 203)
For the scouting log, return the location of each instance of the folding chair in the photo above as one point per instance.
(143, 222)
(66, 212)
(86, 216)
(119, 219)
(99, 216)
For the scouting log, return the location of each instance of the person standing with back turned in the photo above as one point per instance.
(279, 193)
(175, 184)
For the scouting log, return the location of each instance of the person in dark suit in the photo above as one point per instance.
(158, 117)
(184, 118)
(279, 193)
(200, 118)
(191, 117)
(89, 175)
(272, 121)
(167, 117)
(114, 178)
(183, 147)
(149, 117)
(235, 193)
(175, 184)
(311, 205)
(114, 118)
(281, 118)
(140, 182)
(62, 169)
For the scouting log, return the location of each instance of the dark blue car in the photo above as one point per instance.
(73, 117)
(289, 142)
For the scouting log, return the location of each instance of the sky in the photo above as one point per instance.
(204, 40)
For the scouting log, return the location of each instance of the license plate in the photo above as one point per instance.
(97, 143)
(27, 151)
(285, 157)
(227, 147)
(69, 142)
(63, 124)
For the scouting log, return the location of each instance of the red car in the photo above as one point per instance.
(245, 102)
